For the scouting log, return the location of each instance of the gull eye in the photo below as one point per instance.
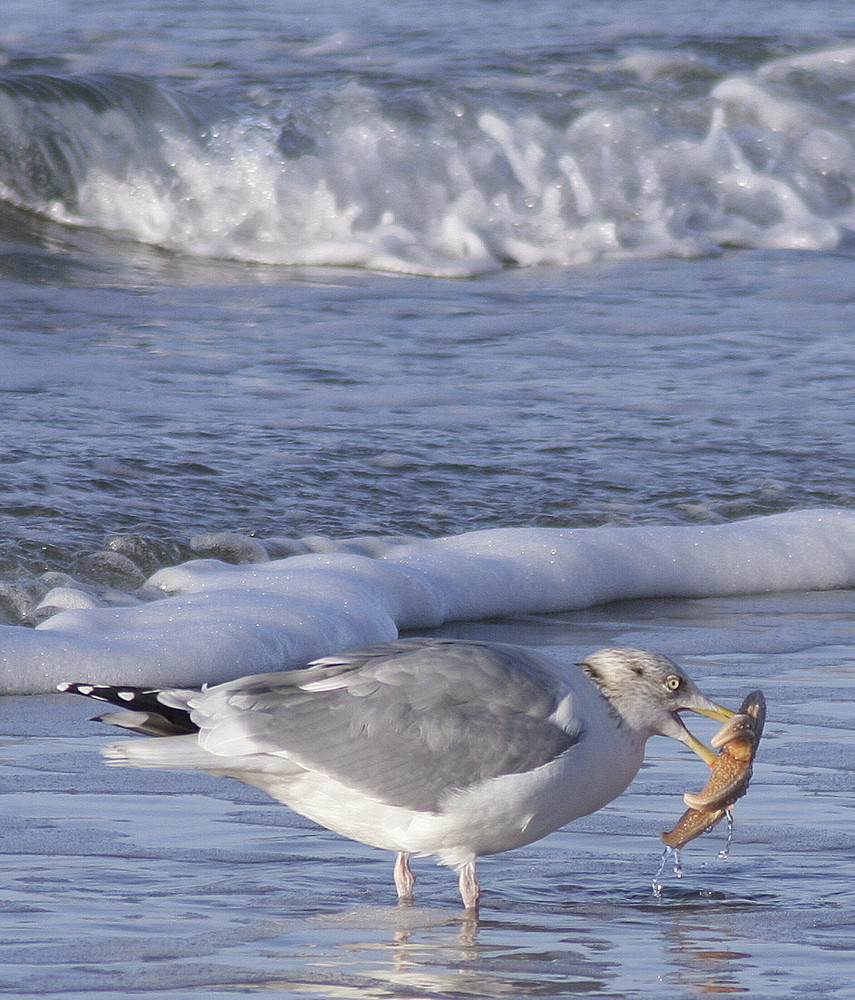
(673, 682)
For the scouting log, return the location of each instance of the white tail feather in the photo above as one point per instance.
(176, 753)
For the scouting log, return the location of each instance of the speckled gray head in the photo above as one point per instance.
(648, 691)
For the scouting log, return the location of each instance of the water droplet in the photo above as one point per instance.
(725, 851)
(671, 854)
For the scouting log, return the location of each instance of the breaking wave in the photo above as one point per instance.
(665, 156)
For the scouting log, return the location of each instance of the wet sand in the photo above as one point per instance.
(120, 882)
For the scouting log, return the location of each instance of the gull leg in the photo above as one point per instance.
(470, 891)
(404, 877)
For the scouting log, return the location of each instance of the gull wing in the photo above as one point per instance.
(408, 723)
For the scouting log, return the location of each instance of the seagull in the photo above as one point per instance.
(425, 747)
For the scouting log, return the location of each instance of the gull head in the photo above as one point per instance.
(648, 691)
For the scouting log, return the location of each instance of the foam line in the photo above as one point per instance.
(221, 621)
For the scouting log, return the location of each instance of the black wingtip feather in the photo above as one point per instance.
(136, 699)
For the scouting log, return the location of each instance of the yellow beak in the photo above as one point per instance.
(717, 712)
(720, 714)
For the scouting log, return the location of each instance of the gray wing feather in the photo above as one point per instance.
(407, 723)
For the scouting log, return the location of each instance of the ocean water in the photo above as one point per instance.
(324, 322)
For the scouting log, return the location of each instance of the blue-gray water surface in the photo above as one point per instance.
(350, 403)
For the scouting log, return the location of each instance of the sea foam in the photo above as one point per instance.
(217, 621)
